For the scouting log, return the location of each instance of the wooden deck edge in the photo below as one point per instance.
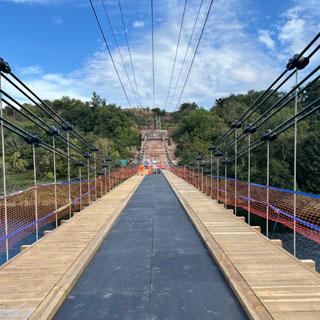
(51, 304)
(253, 307)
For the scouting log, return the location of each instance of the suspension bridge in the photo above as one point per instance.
(107, 243)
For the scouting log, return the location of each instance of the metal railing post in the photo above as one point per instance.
(69, 179)
(55, 180)
(105, 181)
(225, 186)
(295, 171)
(206, 184)
(249, 179)
(211, 175)
(268, 181)
(202, 179)
(35, 190)
(80, 187)
(88, 171)
(218, 180)
(100, 186)
(4, 177)
(198, 175)
(235, 171)
(95, 176)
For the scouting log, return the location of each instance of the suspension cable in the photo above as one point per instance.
(278, 130)
(152, 44)
(129, 51)
(74, 133)
(186, 54)
(41, 124)
(23, 133)
(176, 54)
(244, 135)
(119, 51)
(110, 54)
(244, 115)
(256, 122)
(195, 52)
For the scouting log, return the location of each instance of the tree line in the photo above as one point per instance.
(116, 130)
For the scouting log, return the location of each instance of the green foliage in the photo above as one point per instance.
(198, 128)
(116, 130)
(112, 129)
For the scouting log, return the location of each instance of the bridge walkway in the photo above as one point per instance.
(152, 265)
(269, 281)
(34, 283)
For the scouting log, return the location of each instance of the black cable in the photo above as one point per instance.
(230, 145)
(308, 46)
(13, 131)
(246, 115)
(22, 134)
(25, 109)
(314, 51)
(129, 51)
(61, 138)
(23, 114)
(36, 96)
(285, 96)
(186, 54)
(31, 99)
(244, 135)
(176, 54)
(301, 118)
(110, 54)
(14, 126)
(270, 94)
(195, 52)
(74, 133)
(152, 44)
(278, 130)
(283, 73)
(119, 51)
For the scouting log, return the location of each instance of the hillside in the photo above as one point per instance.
(192, 129)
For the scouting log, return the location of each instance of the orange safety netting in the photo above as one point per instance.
(25, 215)
(268, 202)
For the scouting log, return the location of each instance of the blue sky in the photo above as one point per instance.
(55, 46)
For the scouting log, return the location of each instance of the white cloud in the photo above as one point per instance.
(299, 25)
(138, 24)
(31, 71)
(230, 59)
(265, 37)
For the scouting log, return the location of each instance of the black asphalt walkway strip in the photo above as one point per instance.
(152, 265)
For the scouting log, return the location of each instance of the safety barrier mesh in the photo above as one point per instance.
(22, 220)
(268, 202)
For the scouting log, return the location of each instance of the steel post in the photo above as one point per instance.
(4, 177)
(35, 190)
(55, 180)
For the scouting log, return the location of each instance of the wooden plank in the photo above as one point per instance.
(269, 281)
(35, 283)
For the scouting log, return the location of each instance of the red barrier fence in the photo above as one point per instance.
(268, 202)
(21, 206)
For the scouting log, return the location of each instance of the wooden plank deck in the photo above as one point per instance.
(269, 282)
(35, 283)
